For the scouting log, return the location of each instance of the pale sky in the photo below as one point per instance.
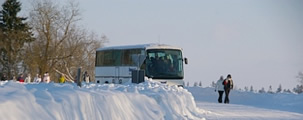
(258, 42)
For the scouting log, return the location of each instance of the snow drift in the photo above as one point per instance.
(148, 100)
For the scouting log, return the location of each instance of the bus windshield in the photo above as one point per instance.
(164, 64)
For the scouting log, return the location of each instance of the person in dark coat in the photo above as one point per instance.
(3, 78)
(20, 78)
(228, 85)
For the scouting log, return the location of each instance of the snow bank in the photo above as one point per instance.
(148, 101)
(280, 101)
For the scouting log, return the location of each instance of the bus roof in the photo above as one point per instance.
(142, 46)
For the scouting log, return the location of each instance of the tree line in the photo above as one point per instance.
(50, 39)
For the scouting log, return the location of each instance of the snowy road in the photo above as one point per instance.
(248, 105)
(241, 112)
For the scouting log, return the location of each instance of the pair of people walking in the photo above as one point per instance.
(224, 85)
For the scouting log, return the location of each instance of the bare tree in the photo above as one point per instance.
(61, 46)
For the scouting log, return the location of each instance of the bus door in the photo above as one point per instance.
(116, 75)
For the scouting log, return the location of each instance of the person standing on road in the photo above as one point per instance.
(220, 88)
(228, 85)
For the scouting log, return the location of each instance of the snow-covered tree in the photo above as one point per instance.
(262, 90)
(195, 84)
(251, 89)
(200, 84)
(287, 91)
(270, 89)
(213, 84)
(279, 89)
(246, 89)
(298, 89)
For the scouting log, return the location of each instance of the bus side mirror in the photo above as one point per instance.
(185, 60)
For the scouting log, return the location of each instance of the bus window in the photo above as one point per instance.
(127, 57)
(99, 58)
(108, 58)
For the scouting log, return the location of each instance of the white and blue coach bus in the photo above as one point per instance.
(160, 62)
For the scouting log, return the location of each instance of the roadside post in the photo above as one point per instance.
(79, 77)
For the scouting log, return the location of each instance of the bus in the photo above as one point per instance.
(160, 62)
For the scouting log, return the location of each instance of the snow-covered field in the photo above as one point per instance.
(146, 101)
